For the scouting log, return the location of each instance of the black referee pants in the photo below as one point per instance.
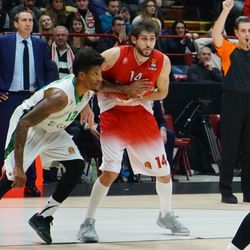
(235, 139)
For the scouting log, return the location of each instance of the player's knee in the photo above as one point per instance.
(76, 167)
(164, 179)
(107, 178)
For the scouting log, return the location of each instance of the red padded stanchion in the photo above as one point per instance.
(17, 193)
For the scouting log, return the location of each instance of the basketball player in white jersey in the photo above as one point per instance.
(37, 128)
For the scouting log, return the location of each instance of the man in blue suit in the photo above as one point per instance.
(12, 90)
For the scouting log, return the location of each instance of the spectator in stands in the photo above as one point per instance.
(78, 42)
(204, 71)
(57, 11)
(91, 23)
(125, 14)
(148, 11)
(26, 5)
(179, 45)
(46, 26)
(4, 18)
(113, 7)
(120, 37)
(133, 7)
(208, 41)
(61, 52)
(13, 91)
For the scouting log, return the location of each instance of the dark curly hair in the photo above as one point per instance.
(86, 59)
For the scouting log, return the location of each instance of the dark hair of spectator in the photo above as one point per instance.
(77, 18)
(86, 59)
(108, 1)
(119, 18)
(49, 6)
(144, 12)
(145, 25)
(17, 16)
(175, 24)
(241, 19)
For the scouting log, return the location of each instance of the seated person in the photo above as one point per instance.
(120, 37)
(204, 70)
(61, 52)
(148, 11)
(179, 45)
(208, 41)
(125, 14)
(113, 7)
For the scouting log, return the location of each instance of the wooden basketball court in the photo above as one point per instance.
(125, 222)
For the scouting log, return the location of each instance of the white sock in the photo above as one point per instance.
(98, 194)
(164, 190)
(231, 246)
(50, 207)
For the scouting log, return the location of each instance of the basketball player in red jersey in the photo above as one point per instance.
(135, 75)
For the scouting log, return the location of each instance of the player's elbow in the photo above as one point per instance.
(163, 95)
(23, 124)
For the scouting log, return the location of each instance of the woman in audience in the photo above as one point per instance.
(78, 42)
(179, 45)
(148, 11)
(46, 25)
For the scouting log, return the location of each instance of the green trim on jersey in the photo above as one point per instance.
(77, 98)
(10, 146)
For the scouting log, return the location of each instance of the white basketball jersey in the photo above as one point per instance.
(59, 120)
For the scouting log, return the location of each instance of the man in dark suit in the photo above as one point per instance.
(12, 90)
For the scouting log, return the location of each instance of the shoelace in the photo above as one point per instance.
(175, 222)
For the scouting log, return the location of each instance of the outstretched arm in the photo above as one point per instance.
(217, 32)
(54, 101)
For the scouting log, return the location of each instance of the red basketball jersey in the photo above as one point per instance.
(126, 70)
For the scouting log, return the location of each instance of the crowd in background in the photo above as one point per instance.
(62, 22)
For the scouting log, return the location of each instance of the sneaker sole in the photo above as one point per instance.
(34, 226)
(87, 240)
(176, 234)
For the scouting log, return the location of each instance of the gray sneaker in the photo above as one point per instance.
(87, 232)
(169, 221)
